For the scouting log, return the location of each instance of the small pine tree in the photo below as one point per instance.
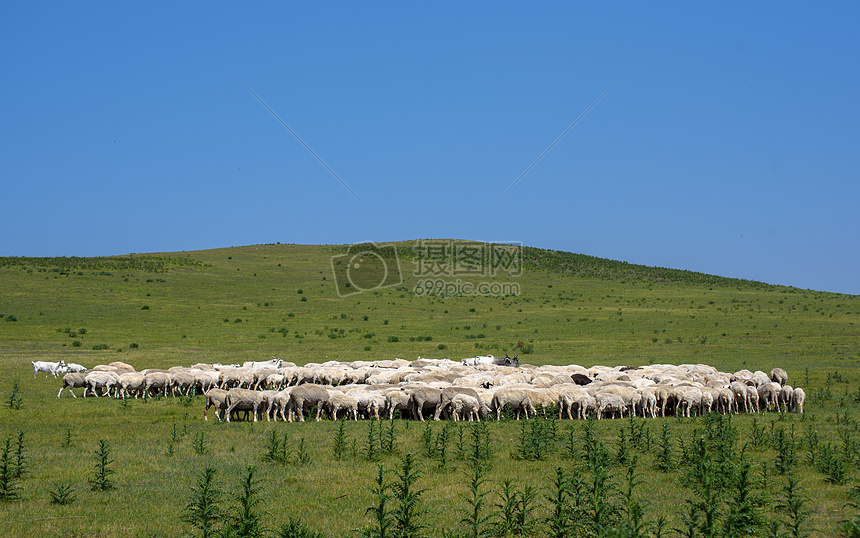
(245, 520)
(100, 478)
(379, 511)
(295, 528)
(14, 400)
(63, 493)
(20, 456)
(202, 510)
(407, 510)
(793, 504)
(339, 447)
(8, 481)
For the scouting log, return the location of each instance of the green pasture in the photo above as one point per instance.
(250, 303)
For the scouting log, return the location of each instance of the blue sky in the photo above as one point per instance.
(728, 145)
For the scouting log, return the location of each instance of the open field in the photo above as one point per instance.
(250, 303)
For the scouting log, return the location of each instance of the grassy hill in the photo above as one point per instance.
(235, 304)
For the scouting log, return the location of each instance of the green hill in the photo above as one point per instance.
(240, 303)
(291, 301)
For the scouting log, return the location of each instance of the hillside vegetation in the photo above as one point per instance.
(250, 303)
(236, 304)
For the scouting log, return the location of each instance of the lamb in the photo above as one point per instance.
(752, 397)
(467, 406)
(631, 396)
(741, 397)
(281, 403)
(370, 402)
(73, 380)
(688, 398)
(183, 382)
(261, 375)
(725, 401)
(649, 402)
(447, 397)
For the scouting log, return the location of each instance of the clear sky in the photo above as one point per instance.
(729, 144)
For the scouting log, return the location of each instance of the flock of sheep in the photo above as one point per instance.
(468, 390)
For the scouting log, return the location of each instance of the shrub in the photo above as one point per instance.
(133, 345)
(76, 343)
(99, 347)
(393, 339)
(145, 307)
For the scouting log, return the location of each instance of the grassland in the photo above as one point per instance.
(236, 304)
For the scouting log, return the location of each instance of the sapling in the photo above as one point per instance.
(20, 456)
(371, 443)
(295, 528)
(63, 493)
(199, 444)
(339, 446)
(245, 518)
(203, 510)
(100, 478)
(379, 511)
(475, 517)
(14, 400)
(514, 514)
(67, 439)
(744, 509)
(388, 438)
(407, 510)
(665, 458)
(303, 457)
(8, 481)
(793, 504)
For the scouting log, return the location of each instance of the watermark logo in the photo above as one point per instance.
(366, 267)
(441, 267)
(448, 258)
(441, 264)
(440, 287)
